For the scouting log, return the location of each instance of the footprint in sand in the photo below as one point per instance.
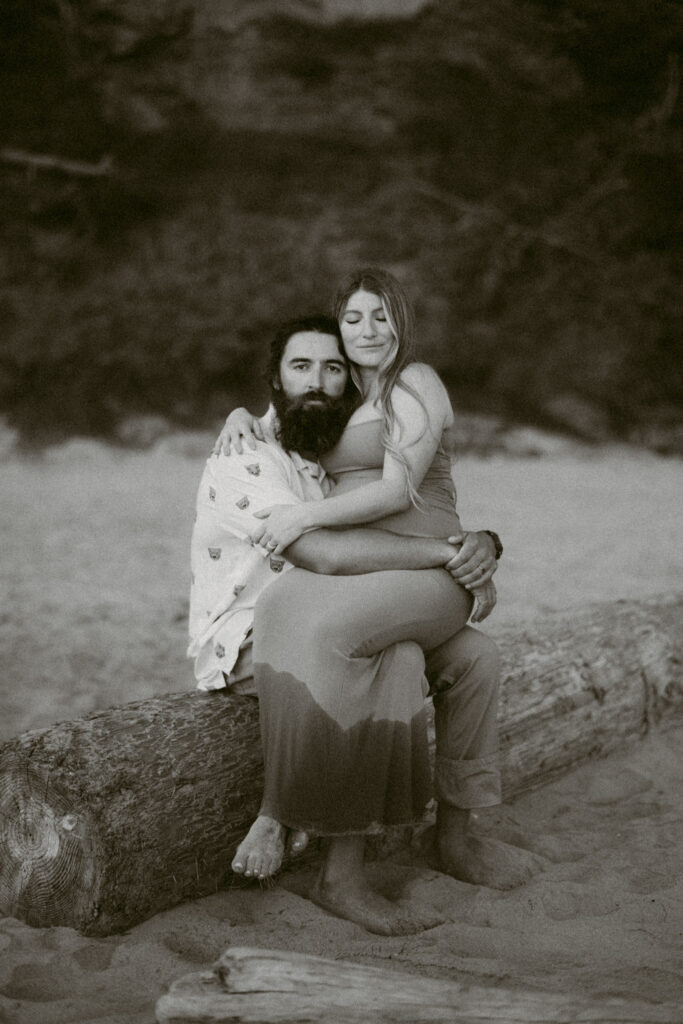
(614, 784)
(40, 982)
(95, 957)
(644, 881)
(648, 913)
(562, 904)
(556, 901)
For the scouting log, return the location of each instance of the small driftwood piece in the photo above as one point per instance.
(261, 986)
(109, 819)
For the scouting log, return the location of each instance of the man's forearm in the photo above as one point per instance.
(358, 550)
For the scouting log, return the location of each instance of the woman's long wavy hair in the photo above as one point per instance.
(400, 318)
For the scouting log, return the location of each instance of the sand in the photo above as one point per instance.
(96, 567)
(604, 919)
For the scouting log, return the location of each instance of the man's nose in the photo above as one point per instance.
(315, 379)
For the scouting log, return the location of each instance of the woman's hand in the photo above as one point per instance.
(281, 525)
(484, 600)
(239, 424)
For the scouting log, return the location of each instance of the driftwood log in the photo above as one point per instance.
(261, 986)
(106, 820)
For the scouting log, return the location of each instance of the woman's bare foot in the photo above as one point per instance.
(343, 889)
(480, 860)
(260, 853)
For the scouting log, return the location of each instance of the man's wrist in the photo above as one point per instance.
(497, 543)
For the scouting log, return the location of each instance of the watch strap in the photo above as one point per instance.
(498, 544)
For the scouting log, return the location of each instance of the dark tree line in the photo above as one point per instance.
(171, 188)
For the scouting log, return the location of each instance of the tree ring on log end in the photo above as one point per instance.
(47, 867)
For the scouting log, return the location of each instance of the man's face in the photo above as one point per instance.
(312, 363)
(311, 401)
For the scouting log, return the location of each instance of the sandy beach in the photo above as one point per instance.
(604, 919)
(96, 566)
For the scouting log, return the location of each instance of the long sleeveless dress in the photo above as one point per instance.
(339, 667)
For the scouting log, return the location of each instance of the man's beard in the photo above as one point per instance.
(311, 429)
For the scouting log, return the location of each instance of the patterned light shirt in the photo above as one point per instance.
(228, 574)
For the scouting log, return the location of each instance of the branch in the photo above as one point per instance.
(47, 162)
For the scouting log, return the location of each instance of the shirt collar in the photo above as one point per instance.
(312, 469)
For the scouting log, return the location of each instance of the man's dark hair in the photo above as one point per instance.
(318, 324)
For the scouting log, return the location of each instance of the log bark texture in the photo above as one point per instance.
(106, 820)
(577, 685)
(261, 986)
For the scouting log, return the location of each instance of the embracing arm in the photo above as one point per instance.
(420, 424)
(358, 550)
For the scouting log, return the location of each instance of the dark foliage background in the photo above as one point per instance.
(220, 165)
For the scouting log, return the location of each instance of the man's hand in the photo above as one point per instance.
(475, 560)
(485, 598)
(240, 425)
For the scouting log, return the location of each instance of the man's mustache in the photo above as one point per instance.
(311, 396)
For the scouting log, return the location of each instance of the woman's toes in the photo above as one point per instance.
(253, 864)
(239, 861)
(271, 866)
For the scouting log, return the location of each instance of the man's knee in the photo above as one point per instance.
(470, 658)
(483, 653)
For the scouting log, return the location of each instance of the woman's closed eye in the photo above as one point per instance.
(355, 318)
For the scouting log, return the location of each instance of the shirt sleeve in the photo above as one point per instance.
(240, 485)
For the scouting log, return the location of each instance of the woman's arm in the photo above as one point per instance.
(420, 423)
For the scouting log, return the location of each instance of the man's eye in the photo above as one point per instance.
(335, 369)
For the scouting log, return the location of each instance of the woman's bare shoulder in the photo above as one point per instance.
(426, 382)
(421, 375)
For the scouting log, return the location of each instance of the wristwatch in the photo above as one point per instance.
(497, 543)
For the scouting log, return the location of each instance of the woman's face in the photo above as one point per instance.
(368, 339)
